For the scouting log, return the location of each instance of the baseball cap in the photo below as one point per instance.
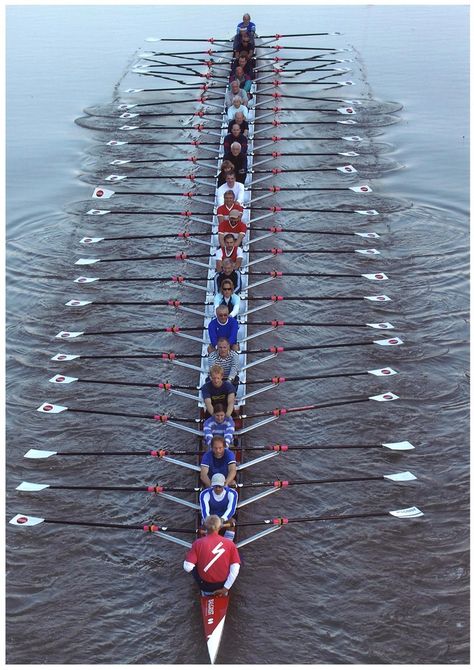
(218, 480)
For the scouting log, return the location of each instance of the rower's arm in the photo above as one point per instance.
(210, 408)
(230, 404)
(231, 474)
(204, 475)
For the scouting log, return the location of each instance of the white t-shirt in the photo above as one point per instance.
(238, 191)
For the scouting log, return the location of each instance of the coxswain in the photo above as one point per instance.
(213, 560)
(238, 159)
(224, 210)
(218, 460)
(233, 225)
(246, 25)
(217, 391)
(220, 500)
(235, 134)
(228, 360)
(231, 185)
(219, 424)
(228, 261)
(239, 119)
(227, 297)
(234, 89)
(223, 325)
(237, 106)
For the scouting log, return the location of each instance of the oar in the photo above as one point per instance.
(51, 408)
(392, 446)
(102, 193)
(406, 513)
(381, 372)
(278, 36)
(70, 335)
(32, 487)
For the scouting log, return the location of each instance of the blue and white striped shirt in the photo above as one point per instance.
(226, 429)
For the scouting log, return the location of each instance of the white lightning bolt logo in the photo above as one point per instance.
(218, 551)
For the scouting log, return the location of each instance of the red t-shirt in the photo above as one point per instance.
(226, 227)
(223, 210)
(213, 556)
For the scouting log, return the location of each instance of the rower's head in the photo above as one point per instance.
(219, 412)
(212, 523)
(246, 19)
(235, 148)
(223, 349)
(222, 314)
(218, 483)
(236, 130)
(234, 86)
(234, 216)
(230, 179)
(218, 446)
(237, 101)
(229, 197)
(245, 39)
(216, 373)
(239, 118)
(227, 288)
(239, 71)
(243, 59)
(227, 167)
(229, 243)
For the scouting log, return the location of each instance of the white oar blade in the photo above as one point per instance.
(39, 453)
(118, 161)
(347, 169)
(98, 212)
(392, 342)
(86, 280)
(378, 276)
(91, 240)
(69, 335)
(367, 252)
(401, 477)
(407, 513)
(49, 408)
(152, 39)
(78, 303)
(129, 127)
(30, 486)
(383, 372)
(87, 261)
(23, 520)
(102, 193)
(62, 379)
(346, 110)
(116, 143)
(348, 154)
(349, 122)
(384, 325)
(384, 397)
(378, 298)
(368, 235)
(128, 115)
(398, 446)
(115, 177)
(361, 189)
(352, 138)
(367, 212)
(64, 357)
(137, 90)
(124, 106)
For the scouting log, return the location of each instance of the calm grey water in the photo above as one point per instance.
(374, 591)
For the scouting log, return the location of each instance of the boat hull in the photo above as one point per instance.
(214, 610)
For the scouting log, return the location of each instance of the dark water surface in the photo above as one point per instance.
(375, 591)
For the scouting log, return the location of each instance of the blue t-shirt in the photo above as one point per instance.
(217, 394)
(218, 465)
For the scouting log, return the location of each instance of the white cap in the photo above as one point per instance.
(218, 480)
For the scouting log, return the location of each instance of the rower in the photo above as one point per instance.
(234, 89)
(233, 225)
(235, 134)
(226, 266)
(229, 205)
(244, 79)
(230, 185)
(238, 159)
(237, 106)
(246, 25)
(213, 560)
(220, 500)
(244, 42)
(219, 424)
(239, 119)
(217, 391)
(228, 360)
(223, 325)
(219, 459)
(227, 297)
(226, 168)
